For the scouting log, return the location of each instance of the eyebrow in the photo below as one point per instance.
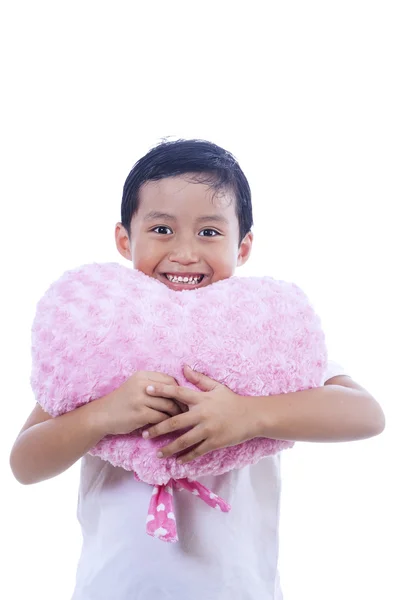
(156, 215)
(213, 218)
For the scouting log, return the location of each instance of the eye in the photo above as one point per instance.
(162, 230)
(209, 233)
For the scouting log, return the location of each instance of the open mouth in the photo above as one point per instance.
(184, 279)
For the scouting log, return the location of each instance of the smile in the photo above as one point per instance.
(184, 279)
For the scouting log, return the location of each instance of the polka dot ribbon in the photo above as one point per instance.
(161, 522)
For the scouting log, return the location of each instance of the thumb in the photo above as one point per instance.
(204, 383)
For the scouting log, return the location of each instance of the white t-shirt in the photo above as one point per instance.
(219, 556)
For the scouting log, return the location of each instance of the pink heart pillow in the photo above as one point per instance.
(100, 323)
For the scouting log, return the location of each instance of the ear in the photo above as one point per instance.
(122, 241)
(245, 249)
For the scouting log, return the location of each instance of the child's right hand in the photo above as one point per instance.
(129, 407)
(48, 446)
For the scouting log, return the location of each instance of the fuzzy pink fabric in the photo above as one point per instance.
(100, 323)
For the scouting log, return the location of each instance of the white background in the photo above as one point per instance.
(306, 94)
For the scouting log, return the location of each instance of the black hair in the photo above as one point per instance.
(214, 165)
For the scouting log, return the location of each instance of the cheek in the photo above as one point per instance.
(144, 256)
(224, 261)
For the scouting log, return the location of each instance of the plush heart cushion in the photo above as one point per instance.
(100, 323)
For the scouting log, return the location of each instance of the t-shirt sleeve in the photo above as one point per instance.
(333, 370)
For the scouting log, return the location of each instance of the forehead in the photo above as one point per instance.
(186, 196)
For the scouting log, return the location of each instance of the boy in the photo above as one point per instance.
(186, 220)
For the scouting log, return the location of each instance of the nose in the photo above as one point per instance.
(184, 253)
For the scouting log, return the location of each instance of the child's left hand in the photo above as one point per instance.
(217, 418)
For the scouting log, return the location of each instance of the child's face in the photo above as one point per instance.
(183, 234)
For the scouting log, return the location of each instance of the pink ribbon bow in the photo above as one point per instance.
(161, 522)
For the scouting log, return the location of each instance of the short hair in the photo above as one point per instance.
(215, 166)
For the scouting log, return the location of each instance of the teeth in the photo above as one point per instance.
(178, 279)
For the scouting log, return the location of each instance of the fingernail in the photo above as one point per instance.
(150, 388)
(190, 368)
(159, 455)
(145, 435)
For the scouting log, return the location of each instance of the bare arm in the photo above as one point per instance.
(48, 446)
(341, 411)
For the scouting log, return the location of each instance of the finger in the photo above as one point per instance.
(199, 450)
(204, 383)
(154, 417)
(170, 407)
(182, 421)
(181, 394)
(182, 406)
(185, 441)
(161, 378)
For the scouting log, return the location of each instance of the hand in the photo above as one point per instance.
(129, 407)
(217, 417)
